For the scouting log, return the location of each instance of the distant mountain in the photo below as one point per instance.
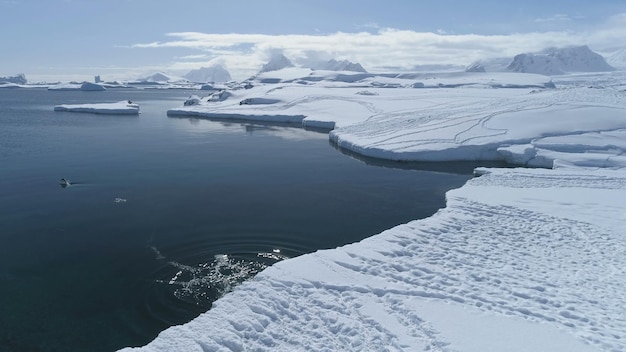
(17, 79)
(556, 61)
(615, 57)
(497, 64)
(341, 65)
(214, 73)
(475, 67)
(159, 77)
(277, 62)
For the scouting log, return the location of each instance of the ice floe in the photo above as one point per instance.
(124, 107)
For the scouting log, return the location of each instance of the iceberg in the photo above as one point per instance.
(85, 86)
(520, 259)
(19, 79)
(125, 107)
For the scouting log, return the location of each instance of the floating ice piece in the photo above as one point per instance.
(125, 107)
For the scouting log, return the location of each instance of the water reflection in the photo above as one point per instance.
(462, 167)
(284, 130)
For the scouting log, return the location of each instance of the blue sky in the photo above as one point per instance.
(118, 39)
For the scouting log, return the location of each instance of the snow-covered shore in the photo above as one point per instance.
(519, 260)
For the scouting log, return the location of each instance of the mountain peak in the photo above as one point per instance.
(341, 65)
(213, 73)
(557, 61)
(277, 62)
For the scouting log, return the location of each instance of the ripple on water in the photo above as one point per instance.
(192, 277)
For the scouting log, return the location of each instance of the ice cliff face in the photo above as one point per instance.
(556, 61)
(17, 79)
(277, 62)
(214, 73)
(341, 65)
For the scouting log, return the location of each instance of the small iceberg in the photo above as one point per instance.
(125, 107)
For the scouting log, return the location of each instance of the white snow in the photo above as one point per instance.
(123, 107)
(519, 260)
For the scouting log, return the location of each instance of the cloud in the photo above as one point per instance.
(556, 18)
(386, 47)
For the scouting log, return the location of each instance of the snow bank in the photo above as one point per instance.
(519, 260)
(120, 108)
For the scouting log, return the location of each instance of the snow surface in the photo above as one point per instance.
(519, 260)
(120, 108)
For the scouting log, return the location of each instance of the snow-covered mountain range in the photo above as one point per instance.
(338, 65)
(280, 61)
(276, 62)
(556, 61)
(615, 57)
(159, 77)
(213, 73)
(551, 61)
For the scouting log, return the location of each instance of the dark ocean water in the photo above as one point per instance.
(164, 214)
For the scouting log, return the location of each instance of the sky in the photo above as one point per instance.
(57, 40)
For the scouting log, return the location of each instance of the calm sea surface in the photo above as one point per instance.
(166, 214)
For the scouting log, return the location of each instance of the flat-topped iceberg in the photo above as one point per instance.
(84, 86)
(125, 107)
